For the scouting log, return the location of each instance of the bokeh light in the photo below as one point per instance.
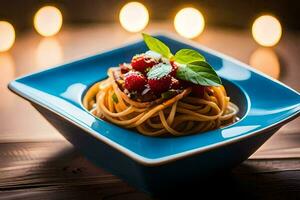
(189, 22)
(7, 36)
(266, 30)
(48, 21)
(134, 17)
(266, 61)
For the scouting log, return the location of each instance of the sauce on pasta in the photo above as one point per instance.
(159, 96)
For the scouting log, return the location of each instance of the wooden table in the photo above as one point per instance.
(37, 163)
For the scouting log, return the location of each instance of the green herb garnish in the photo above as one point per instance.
(115, 98)
(185, 56)
(200, 73)
(157, 46)
(193, 66)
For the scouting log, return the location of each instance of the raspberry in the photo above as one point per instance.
(198, 90)
(135, 81)
(160, 85)
(185, 84)
(142, 62)
(125, 68)
(174, 69)
(175, 84)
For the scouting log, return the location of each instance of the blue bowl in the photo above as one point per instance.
(160, 164)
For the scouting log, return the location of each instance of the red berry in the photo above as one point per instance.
(142, 62)
(198, 90)
(135, 81)
(125, 68)
(175, 84)
(174, 69)
(185, 84)
(160, 85)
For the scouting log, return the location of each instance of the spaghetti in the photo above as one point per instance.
(159, 93)
(182, 114)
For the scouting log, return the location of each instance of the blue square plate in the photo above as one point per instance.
(152, 164)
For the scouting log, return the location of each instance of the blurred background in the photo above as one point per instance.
(226, 13)
(35, 35)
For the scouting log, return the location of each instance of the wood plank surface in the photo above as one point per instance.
(33, 170)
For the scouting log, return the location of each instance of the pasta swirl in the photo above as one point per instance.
(179, 115)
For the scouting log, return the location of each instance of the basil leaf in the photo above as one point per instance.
(157, 46)
(158, 71)
(200, 73)
(115, 98)
(185, 56)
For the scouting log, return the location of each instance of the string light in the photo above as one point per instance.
(189, 22)
(48, 21)
(7, 36)
(266, 30)
(134, 17)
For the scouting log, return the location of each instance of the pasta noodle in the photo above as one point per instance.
(180, 115)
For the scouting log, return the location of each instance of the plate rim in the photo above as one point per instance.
(164, 159)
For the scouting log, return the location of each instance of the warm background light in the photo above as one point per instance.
(189, 22)
(266, 30)
(134, 16)
(7, 36)
(48, 21)
(266, 61)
